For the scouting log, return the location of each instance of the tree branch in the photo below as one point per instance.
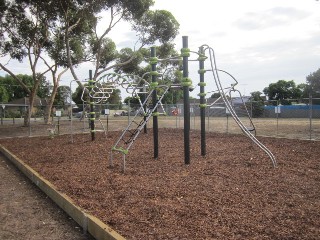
(47, 64)
(111, 25)
(120, 64)
(16, 78)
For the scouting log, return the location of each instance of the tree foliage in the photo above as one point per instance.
(16, 91)
(68, 32)
(257, 104)
(283, 91)
(313, 81)
(4, 95)
(149, 26)
(29, 29)
(62, 97)
(157, 25)
(131, 101)
(215, 95)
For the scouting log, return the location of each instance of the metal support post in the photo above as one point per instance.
(154, 102)
(202, 101)
(186, 84)
(92, 113)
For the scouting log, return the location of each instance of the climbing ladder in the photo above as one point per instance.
(142, 116)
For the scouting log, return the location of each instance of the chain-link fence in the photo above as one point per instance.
(299, 120)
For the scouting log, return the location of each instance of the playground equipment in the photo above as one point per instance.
(246, 130)
(140, 89)
(151, 94)
(227, 92)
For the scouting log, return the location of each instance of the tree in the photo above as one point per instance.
(313, 79)
(78, 96)
(131, 101)
(27, 30)
(16, 91)
(115, 99)
(62, 97)
(283, 91)
(215, 95)
(67, 32)
(170, 73)
(4, 95)
(257, 104)
(313, 88)
(173, 95)
(150, 26)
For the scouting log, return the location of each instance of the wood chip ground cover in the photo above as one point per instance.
(231, 193)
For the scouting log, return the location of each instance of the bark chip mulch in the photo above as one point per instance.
(231, 193)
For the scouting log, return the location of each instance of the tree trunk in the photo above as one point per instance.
(27, 117)
(48, 109)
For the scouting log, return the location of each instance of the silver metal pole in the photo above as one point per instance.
(71, 123)
(310, 115)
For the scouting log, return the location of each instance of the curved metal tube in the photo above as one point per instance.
(230, 108)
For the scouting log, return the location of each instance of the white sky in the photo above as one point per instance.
(257, 41)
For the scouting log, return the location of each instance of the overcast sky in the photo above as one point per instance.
(257, 41)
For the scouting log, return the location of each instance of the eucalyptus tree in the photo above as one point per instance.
(28, 31)
(168, 67)
(65, 33)
(149, 26)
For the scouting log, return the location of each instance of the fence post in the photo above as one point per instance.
(310, 114)
(278, 109)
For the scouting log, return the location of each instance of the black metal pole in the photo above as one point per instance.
(202, 101)
(154, 102)
(92, 113)
(186, 83)
(145, 107)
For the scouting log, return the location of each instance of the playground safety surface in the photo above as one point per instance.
(231, 193)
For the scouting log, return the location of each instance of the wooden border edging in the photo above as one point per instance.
(93, 225)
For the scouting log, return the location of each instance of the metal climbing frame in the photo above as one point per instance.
(223, 91)
(136, 125)
(250, 127)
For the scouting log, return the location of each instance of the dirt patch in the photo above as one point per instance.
(231, 193)
(27, 213)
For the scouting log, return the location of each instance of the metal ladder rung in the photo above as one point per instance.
(128, 139)
(138, 124)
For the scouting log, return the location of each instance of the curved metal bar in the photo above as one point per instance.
(231, 110)
(246, 109)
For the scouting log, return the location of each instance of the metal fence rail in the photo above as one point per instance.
(300, 121)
